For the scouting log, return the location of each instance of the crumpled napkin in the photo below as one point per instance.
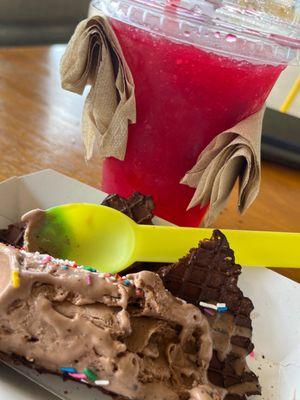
(233, 154)
(94, 57)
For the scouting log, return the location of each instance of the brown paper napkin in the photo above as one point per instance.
(94, 57)
(232, 154)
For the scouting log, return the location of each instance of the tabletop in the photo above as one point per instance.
(40, 128)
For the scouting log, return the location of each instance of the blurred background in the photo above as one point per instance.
(39, 21)
(44, 22)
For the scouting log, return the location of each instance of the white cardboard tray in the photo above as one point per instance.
(276, 317)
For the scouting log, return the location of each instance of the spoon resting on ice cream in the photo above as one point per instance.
(109, 241)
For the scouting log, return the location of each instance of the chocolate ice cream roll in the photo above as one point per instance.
(128, 336)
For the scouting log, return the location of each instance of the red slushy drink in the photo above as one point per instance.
(188, 90)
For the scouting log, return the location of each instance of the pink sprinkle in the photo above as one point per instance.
(208, 311)
(47, 259)
(88, 280)
(78, 376)
(251, 354)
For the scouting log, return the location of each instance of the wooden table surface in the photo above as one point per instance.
(40, 128)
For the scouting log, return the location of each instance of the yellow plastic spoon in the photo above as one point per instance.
(109, 241)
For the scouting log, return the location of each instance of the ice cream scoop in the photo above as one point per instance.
(109, 241)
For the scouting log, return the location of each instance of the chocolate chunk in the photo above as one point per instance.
(209, 274)
(235, 397)
(13, 235)
(231, 380)
(242, 320)
(243, 342)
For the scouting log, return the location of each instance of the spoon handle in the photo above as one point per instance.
(256, 249)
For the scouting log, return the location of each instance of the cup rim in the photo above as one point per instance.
(226, 17)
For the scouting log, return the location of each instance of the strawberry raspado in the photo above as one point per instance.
(190, 87)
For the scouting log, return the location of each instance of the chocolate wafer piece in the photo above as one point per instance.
(139, 208)
(209, 274)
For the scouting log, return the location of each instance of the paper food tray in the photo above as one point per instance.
(276, 318)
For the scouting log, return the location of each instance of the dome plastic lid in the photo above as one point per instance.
(271, 28)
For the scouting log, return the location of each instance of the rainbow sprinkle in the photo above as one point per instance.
(77, 376)
(86, 376)
(90, 374)
(88, 280)
(67, 370)
(222, 310)
(102, 382)
(117, 279)
(220, 307)
(90, 269)
(53, 264)
(208, 311)
(208, 305)
(15, 277)
(46, 259)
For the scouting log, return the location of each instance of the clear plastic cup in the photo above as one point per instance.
(199, 68)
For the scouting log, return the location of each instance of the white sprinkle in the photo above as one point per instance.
(103, 382)
(221, 305)
(207, 305)
(84, 381)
